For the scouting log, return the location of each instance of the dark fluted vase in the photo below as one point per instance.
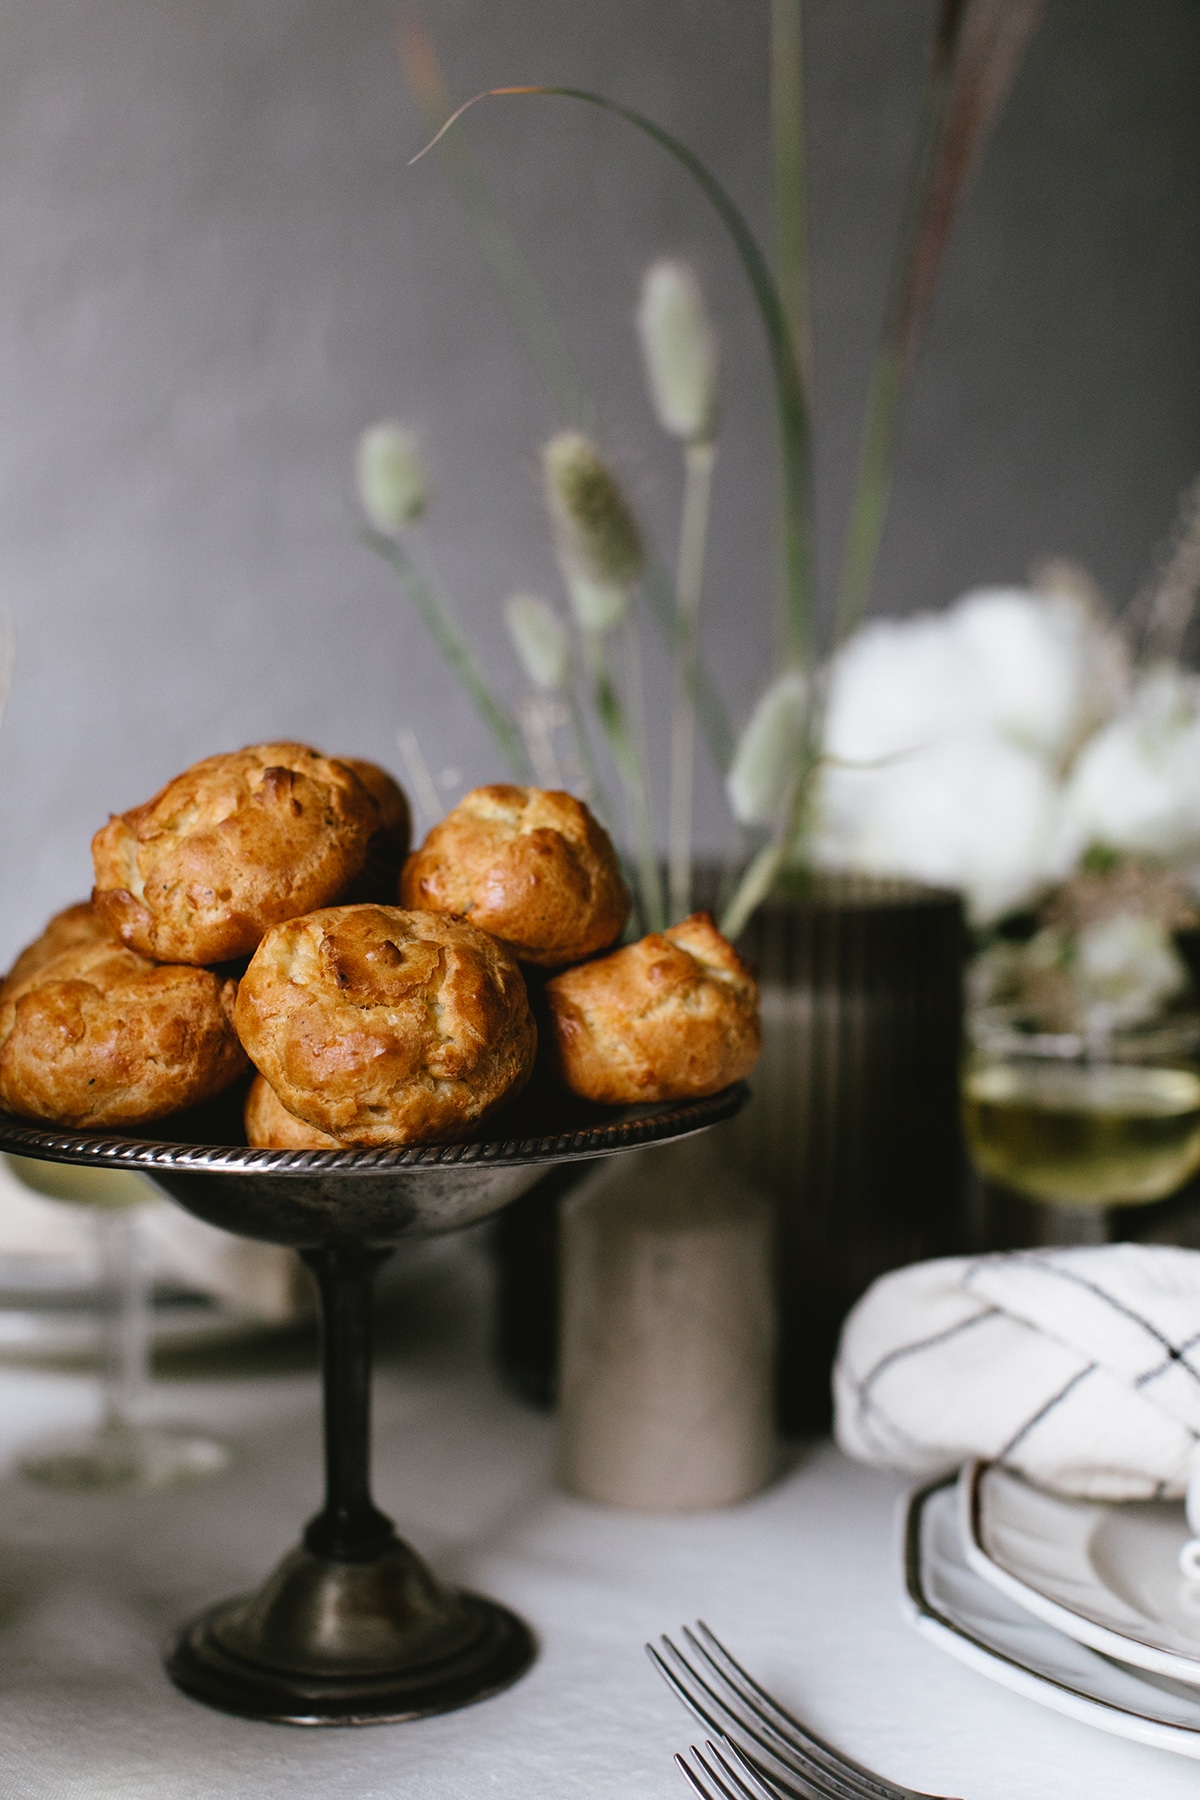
(853, 1125)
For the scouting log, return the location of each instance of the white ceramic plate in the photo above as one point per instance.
(1104, 1573)
(962, 1614)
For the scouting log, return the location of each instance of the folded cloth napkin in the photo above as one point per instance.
(1078, 1368)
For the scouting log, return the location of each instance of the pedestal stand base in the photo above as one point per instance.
(350, 1643)
(352, 1628)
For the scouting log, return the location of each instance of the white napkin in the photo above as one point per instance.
(1078, 1368)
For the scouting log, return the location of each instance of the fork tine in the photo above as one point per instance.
(796, 1737)
(765, 1784)
(794, 1731)
(768, 1726)
(743, 1680)
(828, 1780)
(689, 1775)
(722, 1787)
(679, 1690)
(755, 1788)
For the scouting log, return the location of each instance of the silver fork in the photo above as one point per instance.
(724, 1781)
(769, 1744)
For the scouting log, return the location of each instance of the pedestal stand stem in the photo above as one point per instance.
(350, 1527)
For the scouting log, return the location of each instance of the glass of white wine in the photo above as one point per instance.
(1084, 1126)
(125, 1450)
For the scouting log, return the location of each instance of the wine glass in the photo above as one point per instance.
(1083, 1124)
(124, 1450)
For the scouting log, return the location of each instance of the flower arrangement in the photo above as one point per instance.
(584, 669)
(1043, 757)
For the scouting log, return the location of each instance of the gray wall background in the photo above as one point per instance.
(215, 268)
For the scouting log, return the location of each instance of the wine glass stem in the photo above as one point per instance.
(350, 1528)
(1072, 1226)
(125, 1332)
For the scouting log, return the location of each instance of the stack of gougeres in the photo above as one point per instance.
(368, 1023)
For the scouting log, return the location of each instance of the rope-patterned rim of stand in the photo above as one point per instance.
(619, 1133)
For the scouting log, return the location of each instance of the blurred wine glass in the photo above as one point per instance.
(1081, 1092)
(125, 1450)
(1081, 1126)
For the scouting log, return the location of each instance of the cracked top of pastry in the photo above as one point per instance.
(232, 846)
(672, 1017)
(383, 1026)
(529, 865)
(100, 1036)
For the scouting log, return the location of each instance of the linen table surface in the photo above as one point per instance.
(803, 1583)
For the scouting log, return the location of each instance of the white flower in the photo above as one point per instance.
(1136, 785)
(895, 687)
(1035, 668)
(948, 732)
(973, 812)
(391, 480)
(1125, 969)
(1048, 670)
(679, 348)
(768, 752)
(541, 640)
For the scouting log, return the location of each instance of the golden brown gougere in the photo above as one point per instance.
(529, 865)
(384, 1026)
(672, 1017)
(235, 844)
(99, 1036)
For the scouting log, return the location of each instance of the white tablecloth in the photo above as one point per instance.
(803, 1582)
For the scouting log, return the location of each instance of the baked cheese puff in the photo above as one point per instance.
(99, 1036)
(382, 1026)
(78, 924)
(270, 1126)
(230, 847)
(672, 1017)
(530, 866)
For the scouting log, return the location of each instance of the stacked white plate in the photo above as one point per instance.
(1077, 1604)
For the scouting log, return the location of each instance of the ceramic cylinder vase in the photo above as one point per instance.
(853, 1124)
(667, 1334)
